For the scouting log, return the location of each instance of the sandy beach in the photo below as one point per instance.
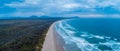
(51, 42)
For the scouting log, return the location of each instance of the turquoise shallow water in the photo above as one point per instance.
(92, 34)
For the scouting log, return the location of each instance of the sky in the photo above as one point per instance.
(65, 8)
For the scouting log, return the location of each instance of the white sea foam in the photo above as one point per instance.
(100, 37)
(71, 39)
(92, 36)
(84, 35)
(107, 37)
(115, 39)
(114, 45)
(67, 33)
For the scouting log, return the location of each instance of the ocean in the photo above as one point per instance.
(90, 34)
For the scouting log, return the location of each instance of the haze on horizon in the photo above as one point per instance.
(13, 8)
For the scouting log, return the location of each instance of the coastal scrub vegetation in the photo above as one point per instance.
(23, 34)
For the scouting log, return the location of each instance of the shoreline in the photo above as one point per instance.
(51, 42)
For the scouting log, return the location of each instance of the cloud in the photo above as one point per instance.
(38, 6)
(94, 15)
(64, 7)
(26, 13)
(26, 3)
(69, 6)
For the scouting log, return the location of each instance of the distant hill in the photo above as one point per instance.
(39, 17)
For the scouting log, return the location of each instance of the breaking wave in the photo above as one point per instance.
(85, 41)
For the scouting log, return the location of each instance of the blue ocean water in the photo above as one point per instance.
(90, 34)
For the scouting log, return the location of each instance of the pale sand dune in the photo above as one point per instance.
(51, 43)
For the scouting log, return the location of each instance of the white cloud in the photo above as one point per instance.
(23, 14)
(104, 3)
(26, 3)
(38, 7)
(94, 15)
(44, 6)
(74, 5)
(110, 3)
